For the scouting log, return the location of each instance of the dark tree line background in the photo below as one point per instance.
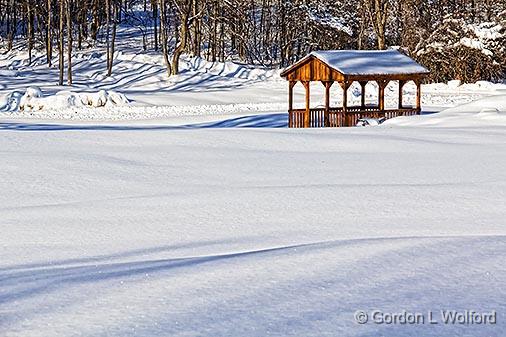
(456, 39)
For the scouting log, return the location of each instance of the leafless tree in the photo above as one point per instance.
(264, 32)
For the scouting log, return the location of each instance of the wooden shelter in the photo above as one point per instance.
(346, 67)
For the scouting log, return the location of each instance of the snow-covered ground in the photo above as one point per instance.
(173, 221)
(202, 88)
(138, 230)
(489, 111)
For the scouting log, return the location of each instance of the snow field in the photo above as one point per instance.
(249, 232)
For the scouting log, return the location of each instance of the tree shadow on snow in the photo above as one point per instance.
(52, 286)
(278, 120)
(27, 280)
(17, 284)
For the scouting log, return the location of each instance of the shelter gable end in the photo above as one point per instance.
(314, 70)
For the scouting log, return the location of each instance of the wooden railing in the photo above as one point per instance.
(296, 118)
(336, 117)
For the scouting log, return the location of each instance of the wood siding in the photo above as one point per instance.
(314, 70)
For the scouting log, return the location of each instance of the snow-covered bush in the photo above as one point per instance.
(33, 100)
(96, 99)
(102, 98)
(117, 98)
(466, 52)
(11, 102)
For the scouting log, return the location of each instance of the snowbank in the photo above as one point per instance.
(34, 100)
(230, 69)
(136, 113)
(456, 86)
(485, 111)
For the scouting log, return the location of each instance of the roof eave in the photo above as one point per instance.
(297, 64)
(393, 75)
(310, 56)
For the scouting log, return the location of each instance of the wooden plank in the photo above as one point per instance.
(401, 87)
(291, 84)
(314, 70)
(382, 85)
(308, 103)
(345, 85)
(327, 85)
(363, 84)
(418, 96)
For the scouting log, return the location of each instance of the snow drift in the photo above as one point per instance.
(485, 111)
(34, 100)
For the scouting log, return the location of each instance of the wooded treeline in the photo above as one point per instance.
(463, 39)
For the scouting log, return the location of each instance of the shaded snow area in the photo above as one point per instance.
(141, 231)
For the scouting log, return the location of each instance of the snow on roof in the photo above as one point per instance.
(367, 62)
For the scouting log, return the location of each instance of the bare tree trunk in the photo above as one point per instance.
(81, 20)
(11, 24)
(30, 29)
(113, 40)
(61, 42)
(154, 6)
(49, 38)
(108, 28)
(222, 38)
(196, 30)
(95, 24)
(378, 12)
(182, 43)
(163, 23)
(69, 42)
(362, 26)
(215, 31)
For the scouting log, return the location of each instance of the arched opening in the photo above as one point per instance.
(402, 85)
(311, 110)
(409, 94)
(369, 98)
(297, 94)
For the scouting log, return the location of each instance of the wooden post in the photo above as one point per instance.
(291, 84)
(345, 85)
(345, 103)
(362, 99)
(401, 87)
(327, 85)
(345, 96)
(382, 84)
(381, 96)
(418, 96)
(307, 120)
